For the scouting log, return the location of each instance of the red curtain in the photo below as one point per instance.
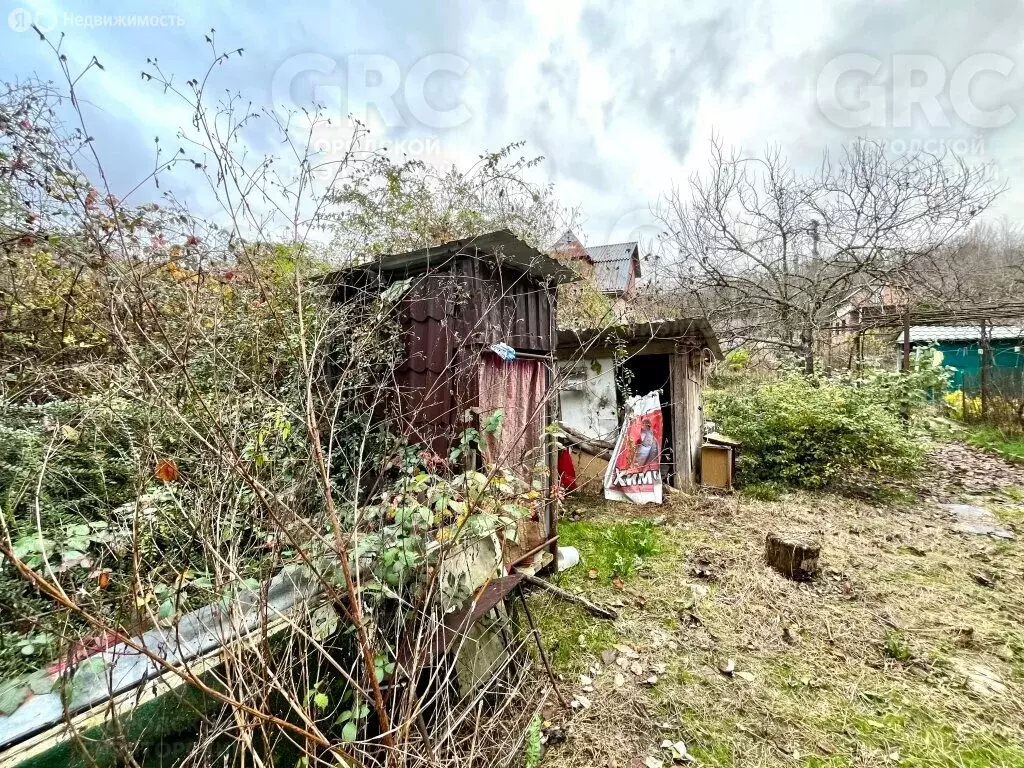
(517, 388)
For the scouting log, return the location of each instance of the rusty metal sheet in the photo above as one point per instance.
(456, 624)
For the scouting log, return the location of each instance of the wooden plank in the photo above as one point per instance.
(649, 347)
(695, 406)
(716, 467)
(681, 447)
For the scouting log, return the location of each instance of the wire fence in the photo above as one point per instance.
(994, 395)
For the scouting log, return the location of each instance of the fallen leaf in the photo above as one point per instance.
(592, 574)
(166, 470)
(580, 702)
(745, 675)
(678, 751)
(652, 680)
(619, 680)
(618, 583)
(636, 668)
(653, 762)
(11, 696)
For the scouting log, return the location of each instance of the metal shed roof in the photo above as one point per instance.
(502, 245)
(612, 264)
(929, 334)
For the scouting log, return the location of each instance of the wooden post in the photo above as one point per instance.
(695, 404)
(681, 448)
(905, 367)
(553, 413)
(985, 349)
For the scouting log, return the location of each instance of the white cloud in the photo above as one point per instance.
(622, 99)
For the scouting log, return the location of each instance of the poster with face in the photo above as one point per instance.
(634, 473)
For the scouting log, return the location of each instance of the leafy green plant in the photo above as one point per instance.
(766, 491)
(812, 432)
(738, 359)
(533, 745)
(627, 544)
(895, 647)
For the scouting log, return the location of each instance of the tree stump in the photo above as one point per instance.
(792, 557)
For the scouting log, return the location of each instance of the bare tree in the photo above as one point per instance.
(770, 254)
(980, 272)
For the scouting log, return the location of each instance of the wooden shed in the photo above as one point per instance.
(599, 367)
(458, 299)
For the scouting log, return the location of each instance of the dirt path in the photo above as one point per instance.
(958, 469)
(908, 650)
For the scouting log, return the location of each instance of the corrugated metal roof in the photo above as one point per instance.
(612, 252)
(612, 276)
(928, 334)
(613, 266)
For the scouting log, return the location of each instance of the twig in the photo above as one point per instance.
(595, 610)
(540, 649)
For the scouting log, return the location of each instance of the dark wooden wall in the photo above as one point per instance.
(447, 318)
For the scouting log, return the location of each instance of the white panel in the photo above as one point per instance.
(588, 407)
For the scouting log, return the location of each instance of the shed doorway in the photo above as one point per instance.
(647, 373)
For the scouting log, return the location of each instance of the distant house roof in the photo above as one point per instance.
(634, 333)
(929, 334)
(568, 245)
(612, 265)
(502, 245)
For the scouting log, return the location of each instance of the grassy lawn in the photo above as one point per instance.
(896, 655)
(1008, 444)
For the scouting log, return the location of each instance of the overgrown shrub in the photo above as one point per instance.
(813, 432)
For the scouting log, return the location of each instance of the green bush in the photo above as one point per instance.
(812, 432)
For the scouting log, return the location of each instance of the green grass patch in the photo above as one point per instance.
(895, 647)
(572, 637)
(1008, 444)
(766, 491)
(613, 550)
(1014, 493)
(924, 741)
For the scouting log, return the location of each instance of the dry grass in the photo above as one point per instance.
(886, 659)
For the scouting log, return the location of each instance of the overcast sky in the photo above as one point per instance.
(622, 98)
